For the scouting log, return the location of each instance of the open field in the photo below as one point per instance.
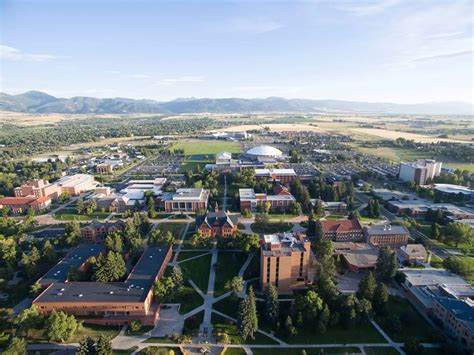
(274, 127)
(200, 146)
(389, 134)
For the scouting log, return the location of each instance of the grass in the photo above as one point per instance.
(71, 215)
(197, 146)
(221, 324)
(198, 271)
(94, 331)
(470, 262)
(234, 351)
(381, 351)
(253, 269)
(161, 350)
(175, 228)
(436, 261)
(228, 266)
(160, 340)
(188, 298)
(310, 351)
(143, 330)
(183, 255)
(271, 227)
(192, 324)
(229, 305)
(413, 324)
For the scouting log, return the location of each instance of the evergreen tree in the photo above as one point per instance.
(60, 326)
(86, 346)
(104, 345)
(386, 266)
(49, 252)
(270, 297)
(247, 323)
(367, 287)
(113, 242)
(16, 346)
(380, 299)
(323, 319)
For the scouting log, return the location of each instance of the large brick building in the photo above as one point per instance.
(285, 262)
(219, 223)
(22, 204)
(97, 231)
(282, 175)
(280, 201)
(342, 230)
(186, 200)
(110, 303)
(387, 235)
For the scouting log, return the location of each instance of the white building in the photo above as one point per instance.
(420, 171)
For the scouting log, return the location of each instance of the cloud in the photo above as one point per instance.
(10, 53)
(253, 26)
(367, 8)
(179, 80)
(443, 55)
(140, 76)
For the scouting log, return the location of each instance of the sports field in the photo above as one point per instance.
(201, 146)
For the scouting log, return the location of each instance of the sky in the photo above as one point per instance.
(402, 51)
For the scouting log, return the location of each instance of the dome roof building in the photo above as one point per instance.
(264, 151)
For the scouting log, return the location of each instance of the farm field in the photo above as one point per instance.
(197, 146)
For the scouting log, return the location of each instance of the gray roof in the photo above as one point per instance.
(134, 289)
(387, 230)
(74, 259)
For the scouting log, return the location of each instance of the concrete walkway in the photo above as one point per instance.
(387, 338)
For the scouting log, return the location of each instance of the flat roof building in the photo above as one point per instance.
(111, 303)
(420, 171)
(76, 184)
(393, 236)
(285, 262)
(186, 200)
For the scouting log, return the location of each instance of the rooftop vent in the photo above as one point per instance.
(62, 289)
(79, 295)
(60, 294)
(111, 292)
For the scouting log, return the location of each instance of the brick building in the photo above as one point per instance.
(280, 201)
(284, 176)
(76, 184)
(37, 188)
(111, 303)
(97, 231)
(186, 200)
(22, 204)
(342, 230)
(285, 262)
(219, 223)
(387, 235)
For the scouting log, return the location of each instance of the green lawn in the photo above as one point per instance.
(71, 215)
(188, 298)
(94, 331)
(174, 227)
(381, 351)
(198, 271)
(253, 269)
(161, 350)
(228, 266)
(197, 146)
(361, 333)
(272, 227)
(183, 255)
(191, 324)
(221, 324)
(229, 305)
(234, 351)
(413, 324)
(436, 261)
(310, 351)
(143, 330)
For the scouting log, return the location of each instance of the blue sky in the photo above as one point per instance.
(388, 50)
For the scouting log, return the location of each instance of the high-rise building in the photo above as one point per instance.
(420, 171)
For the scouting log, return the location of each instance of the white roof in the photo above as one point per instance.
(265, 150)
(269, 172)
(247, 193)
(428, 277)
(453, 189)
(224, 155)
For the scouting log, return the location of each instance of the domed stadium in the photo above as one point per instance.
(264, 151)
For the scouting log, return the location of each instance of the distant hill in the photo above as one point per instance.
(39, 102)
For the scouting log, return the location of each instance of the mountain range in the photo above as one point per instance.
(39, 102)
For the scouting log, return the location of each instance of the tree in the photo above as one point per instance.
(310, 305)
(80, 205)
(135, 325)
(35, 289)
(110, 267)
(28, 319)
(177, 278)
(324, 252)
(318, 208)
(113, 242)
(104, 345)
(327, 288)
(270, 297)
(235, 285)
(367, 287)
(49, 252)
(386, 266)
(457, 232)
(73, 233)
(151, 207)
(323, 319)
(60, 326)
(457, 266)
(348, 310)
(380, 299)
(290, 327)
(413, 347)
(364, 309)
(16, 346)
(8, 251)
(247, 321)
(86, 346)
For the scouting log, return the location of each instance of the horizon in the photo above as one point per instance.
(387, 51)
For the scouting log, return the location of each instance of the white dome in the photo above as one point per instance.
(265, 151)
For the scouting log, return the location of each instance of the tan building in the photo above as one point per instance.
(457, 318)
(412, 253)
(285, 262)
(37, 188)
(342, 230)
(111, 303)
(104, 168)
(76, 184)
(387, 235)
